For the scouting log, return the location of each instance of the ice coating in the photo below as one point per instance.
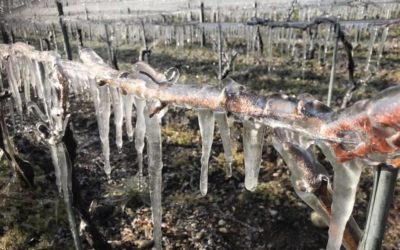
(253, 141)
(63, 170)
(310, 171)
(140, 131)
(206, 124)
(382, 45)
(367, 129)
(314, 188)
(153, 135)
(13, 84)
(103, 119)
(371, 47)
(118, 110)
(223, 126)
(296, 176)
(345, 182)
(128, 101)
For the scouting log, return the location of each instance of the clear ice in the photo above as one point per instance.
(224, 130)
(103, 119)
(154, 143)
(128, 101)
(118, 109)
(253, 140)
(140, 131)
(345, 181)
(206, 123)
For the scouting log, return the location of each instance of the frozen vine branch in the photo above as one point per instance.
(367, 130)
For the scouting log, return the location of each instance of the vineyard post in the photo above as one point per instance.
(385, 177)
(53, 30)
(145, 52)
(219, 49)
(111, 56)
(4, 34)
(79, 36)
(258, 38)
(86, 11)
(203, 36)
(333, 67)
(67, 46)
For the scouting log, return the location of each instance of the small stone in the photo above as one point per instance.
(223, 230)
(221, 222)
(144, 244)
(273, 212)
(199, 235)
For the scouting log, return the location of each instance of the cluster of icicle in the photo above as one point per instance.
(292, 142)
(45, 96)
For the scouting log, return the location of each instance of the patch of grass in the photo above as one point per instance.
(13, 239)
(180, 136)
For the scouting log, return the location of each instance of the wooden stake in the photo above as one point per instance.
(67, 46)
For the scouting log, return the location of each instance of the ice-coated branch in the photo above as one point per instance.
(358, 131)
(311, 182)
(367, 130)
(353, 132)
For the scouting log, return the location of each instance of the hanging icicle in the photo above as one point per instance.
(206, 123)
(154, 144)
(253, 140)
(224, 130)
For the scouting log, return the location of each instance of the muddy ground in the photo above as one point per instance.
(229, 217)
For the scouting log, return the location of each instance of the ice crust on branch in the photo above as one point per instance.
(366, 132)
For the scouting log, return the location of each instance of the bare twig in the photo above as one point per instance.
(334, 21)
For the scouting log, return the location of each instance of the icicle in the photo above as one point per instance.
(128, 101)
(27, 80)
(345, 181)
(382, 45)
(118, 110)
(140, 130)
(206, 123)
(39, 82)
(270, 49)
(371, 47)
(333, 67)
(13, 85)
(154, 142)
(33, 77)
(103, 119)
(63, 170)
(296, 177)
(224, 130)
(253, 140)
(303, 62)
